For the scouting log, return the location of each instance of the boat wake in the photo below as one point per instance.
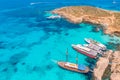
(55, 61)
(33, 3)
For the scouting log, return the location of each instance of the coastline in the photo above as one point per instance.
(111, 68)
(109, 20)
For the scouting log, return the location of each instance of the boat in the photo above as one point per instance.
(85, 50)
(89, 40)
(94, 47)
(54, 17)
(74, 67)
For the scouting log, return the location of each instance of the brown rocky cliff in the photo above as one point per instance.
(115, 67)
(78, 14)
(113, 60)
(101, 65)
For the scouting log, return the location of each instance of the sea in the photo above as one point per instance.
(31, 45)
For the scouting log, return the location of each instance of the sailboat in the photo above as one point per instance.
(72, 66)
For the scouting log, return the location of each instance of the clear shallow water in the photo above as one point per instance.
(30, 44)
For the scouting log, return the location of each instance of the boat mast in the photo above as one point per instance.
(67, 55)
(77, 58)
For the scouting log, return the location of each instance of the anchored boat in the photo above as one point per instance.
(84, 50)
(72, 66)
(94, 47)
(91, 41)
(54, 17)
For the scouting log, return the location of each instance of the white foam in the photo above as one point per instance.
(55, 61)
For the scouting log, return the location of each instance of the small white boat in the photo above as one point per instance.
(94, 47)
(54, 17)
(91, 41)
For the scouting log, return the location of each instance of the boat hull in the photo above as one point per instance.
(85, 53)
(62, 65)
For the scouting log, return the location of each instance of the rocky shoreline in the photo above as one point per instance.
(110, 61)
(77, 14)
(115, 67)
(107, 66)
(99, 69)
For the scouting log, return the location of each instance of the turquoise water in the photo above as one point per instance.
(30, 45)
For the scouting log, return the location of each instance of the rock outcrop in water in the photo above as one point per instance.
(115, 67)
(108, 19)
(110, 61)
(101, 65)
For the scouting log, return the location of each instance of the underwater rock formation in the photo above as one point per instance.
(6, 71)
(17, 58)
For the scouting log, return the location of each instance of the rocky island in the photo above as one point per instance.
(110, 20)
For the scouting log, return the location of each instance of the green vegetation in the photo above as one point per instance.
(107, 73)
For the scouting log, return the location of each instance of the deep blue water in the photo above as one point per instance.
(30, 44)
